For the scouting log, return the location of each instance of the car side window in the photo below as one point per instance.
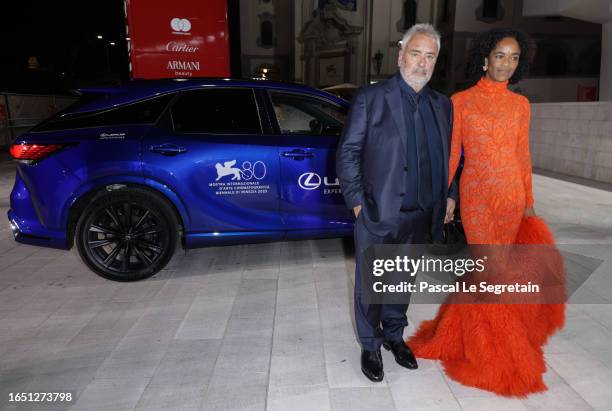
(141, 112)
(217, 111)
(301, 114)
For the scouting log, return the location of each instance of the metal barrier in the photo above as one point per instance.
(20, 112)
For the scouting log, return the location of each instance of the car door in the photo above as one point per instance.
(213, 152)
(311, 200)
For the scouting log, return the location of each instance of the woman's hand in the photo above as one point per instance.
(450, 210)
(530, 212)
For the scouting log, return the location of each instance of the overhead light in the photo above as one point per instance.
(99, 37)
(112, 43)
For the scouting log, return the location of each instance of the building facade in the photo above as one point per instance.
(329, 42)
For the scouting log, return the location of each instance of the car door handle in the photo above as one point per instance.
(297, 154)
(167, 149)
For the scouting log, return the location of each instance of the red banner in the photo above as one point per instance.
(178, 38)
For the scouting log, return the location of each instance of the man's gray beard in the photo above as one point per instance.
(417, 81)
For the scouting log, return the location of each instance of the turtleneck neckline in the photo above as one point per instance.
(487, 84)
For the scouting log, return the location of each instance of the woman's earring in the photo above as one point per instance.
(485, 67)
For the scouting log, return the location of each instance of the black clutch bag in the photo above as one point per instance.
(453, 239)
(454, 233)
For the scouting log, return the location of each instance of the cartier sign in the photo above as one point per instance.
(181, 38)
(181, 47)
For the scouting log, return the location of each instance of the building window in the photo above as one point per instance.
(266, 33)
(490, 11)
(410, 13)
(266, 38)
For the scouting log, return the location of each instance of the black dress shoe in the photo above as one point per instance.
(371, 365)
(402, 353)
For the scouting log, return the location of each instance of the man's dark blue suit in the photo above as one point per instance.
(376, 167)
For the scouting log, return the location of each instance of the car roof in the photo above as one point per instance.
(136, 90)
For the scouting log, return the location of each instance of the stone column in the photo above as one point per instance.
(605, 73)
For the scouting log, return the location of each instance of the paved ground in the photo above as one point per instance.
(265, 327)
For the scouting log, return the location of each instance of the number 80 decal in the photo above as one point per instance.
(256, 170)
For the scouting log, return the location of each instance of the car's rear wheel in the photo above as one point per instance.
(127, 235)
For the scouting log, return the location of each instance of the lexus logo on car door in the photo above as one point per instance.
(309, 181)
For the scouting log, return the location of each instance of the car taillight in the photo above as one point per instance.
(30, 153)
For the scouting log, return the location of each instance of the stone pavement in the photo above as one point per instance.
(266, 326)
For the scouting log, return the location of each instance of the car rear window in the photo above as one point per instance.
(217, 111)
(142, 112)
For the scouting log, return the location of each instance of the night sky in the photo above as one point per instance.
(62, 35)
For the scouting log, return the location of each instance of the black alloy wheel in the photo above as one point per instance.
(128, 235)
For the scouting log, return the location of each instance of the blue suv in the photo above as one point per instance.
(126, 173)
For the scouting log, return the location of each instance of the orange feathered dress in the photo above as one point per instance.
(496, 347)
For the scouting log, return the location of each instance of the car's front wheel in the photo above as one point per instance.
(127, 235)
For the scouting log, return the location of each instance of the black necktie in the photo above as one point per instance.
(425, 197)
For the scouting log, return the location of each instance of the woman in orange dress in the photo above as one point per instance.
(496, 347)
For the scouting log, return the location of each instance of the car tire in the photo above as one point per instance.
(127, 235)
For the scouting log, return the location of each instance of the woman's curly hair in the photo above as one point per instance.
(486, 41)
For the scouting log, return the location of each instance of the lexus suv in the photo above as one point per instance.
(127, 173)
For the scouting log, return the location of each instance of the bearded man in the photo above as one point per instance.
(392, 162)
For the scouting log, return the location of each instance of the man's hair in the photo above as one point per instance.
(421, 28)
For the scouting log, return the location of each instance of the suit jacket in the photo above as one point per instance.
(371, 157)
